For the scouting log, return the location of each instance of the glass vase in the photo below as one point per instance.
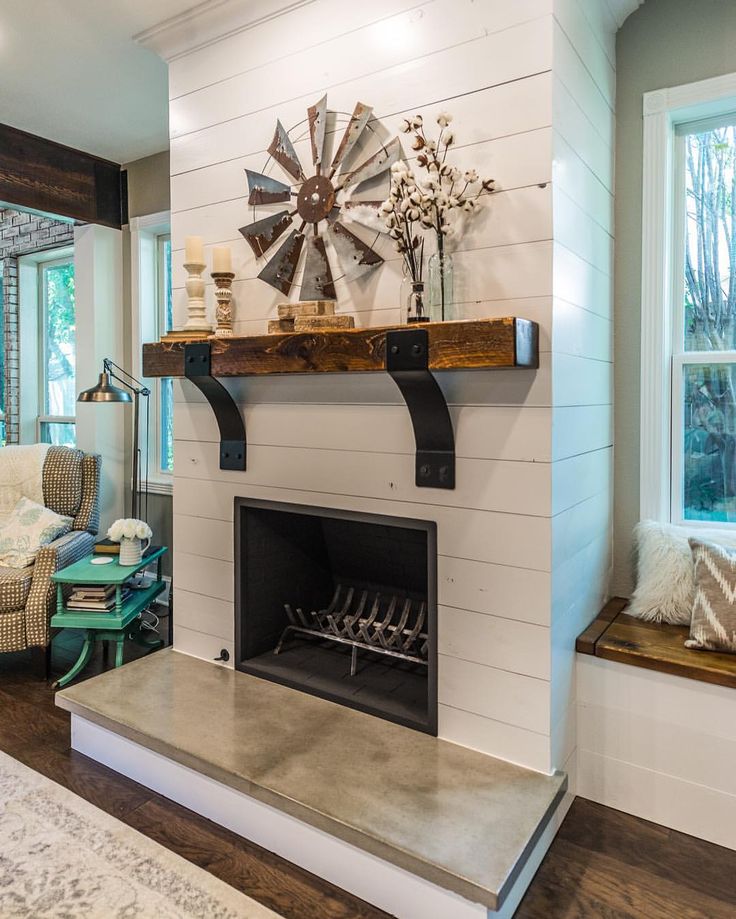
(441, 304)
(414, 302)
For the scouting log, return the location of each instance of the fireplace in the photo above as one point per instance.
(339, 604)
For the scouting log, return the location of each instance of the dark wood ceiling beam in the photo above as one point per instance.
(40, 175)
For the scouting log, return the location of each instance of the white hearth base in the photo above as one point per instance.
(386, 886)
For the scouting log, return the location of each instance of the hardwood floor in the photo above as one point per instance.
(602, 865)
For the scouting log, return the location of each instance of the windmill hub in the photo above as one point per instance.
(316, 199)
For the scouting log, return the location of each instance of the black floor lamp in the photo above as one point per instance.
(105, 391)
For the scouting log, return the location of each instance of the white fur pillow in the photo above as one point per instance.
(665, 587)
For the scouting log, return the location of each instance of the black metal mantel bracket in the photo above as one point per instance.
(407, 362)
(198, 369)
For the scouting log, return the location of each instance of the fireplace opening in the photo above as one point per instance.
(341, 605)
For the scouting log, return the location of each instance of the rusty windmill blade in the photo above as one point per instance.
(317, 117)
(366, 213)
(355, 256)
(262, 234)
(317, 283)
(359, 119)
(373, 166)
(282, 150)
(280, 270)
(265, 190)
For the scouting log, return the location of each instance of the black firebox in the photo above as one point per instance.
(339, 604)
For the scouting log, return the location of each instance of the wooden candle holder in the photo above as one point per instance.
(196, 311)
(224, 295)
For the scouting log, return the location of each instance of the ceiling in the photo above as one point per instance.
(76, 75)
(70, 71)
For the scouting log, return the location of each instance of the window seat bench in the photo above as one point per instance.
(615, 636)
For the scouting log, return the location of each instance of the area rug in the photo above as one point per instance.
(63, 858)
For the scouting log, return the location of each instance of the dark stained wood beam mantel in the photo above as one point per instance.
(40, 175)
(467, 345)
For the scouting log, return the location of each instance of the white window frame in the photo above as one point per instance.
(44, 261)
(146, 325)
(660, 467)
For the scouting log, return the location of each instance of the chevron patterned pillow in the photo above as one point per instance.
(713, 623)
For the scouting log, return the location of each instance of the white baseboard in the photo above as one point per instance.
(392, 889)
(659, 747)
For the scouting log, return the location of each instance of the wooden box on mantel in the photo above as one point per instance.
(473, 344)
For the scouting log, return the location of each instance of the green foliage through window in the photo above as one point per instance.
(58, 357)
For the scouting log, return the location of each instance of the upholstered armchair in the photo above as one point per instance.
(71, 486)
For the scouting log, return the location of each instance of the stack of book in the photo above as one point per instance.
(94, 598)
(107, 547)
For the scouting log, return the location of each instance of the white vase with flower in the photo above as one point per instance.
(131, 534)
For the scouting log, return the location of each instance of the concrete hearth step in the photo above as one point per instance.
(455, 817)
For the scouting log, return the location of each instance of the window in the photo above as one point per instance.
(57, 353)
(164, 389)
(3, 435)
(152, 318)
(704, 346)
(688, 377)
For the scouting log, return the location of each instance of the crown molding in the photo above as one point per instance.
(622, 9)
(209, 22)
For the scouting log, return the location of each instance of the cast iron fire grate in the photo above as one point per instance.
(387, 626)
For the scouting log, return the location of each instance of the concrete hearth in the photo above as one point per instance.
(463, 821)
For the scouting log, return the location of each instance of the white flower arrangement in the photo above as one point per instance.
(403, 212)
(447, 193)
(129, 528)
(440, 199)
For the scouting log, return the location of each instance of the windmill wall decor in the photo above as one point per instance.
(315, 205)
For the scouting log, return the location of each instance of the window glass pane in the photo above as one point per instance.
(709, 448)
(710, 247)
(60, 434)
(167, 292)
(165, 386)
(167, 425)
(59, 317)
(2, 363)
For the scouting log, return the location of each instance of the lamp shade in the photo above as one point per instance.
(105, 391)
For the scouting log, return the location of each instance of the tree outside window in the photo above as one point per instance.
(58, 357)
(708, 386)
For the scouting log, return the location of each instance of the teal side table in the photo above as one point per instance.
(121, 620)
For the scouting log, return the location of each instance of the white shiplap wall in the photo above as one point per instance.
(532, 446)
(584, 124)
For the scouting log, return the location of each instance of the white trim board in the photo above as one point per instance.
(393, 889)
(663, 110)
(209, 22)
(659, 747)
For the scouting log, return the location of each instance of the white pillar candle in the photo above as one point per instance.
(193, 250)
(221, 259)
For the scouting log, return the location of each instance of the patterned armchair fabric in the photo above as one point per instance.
(71, 486)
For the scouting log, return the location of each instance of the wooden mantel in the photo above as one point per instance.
(467, 345)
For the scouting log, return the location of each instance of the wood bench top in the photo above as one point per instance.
(615, 636)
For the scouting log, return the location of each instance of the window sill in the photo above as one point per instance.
(160, 487)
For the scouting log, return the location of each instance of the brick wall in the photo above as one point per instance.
(21, 234)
